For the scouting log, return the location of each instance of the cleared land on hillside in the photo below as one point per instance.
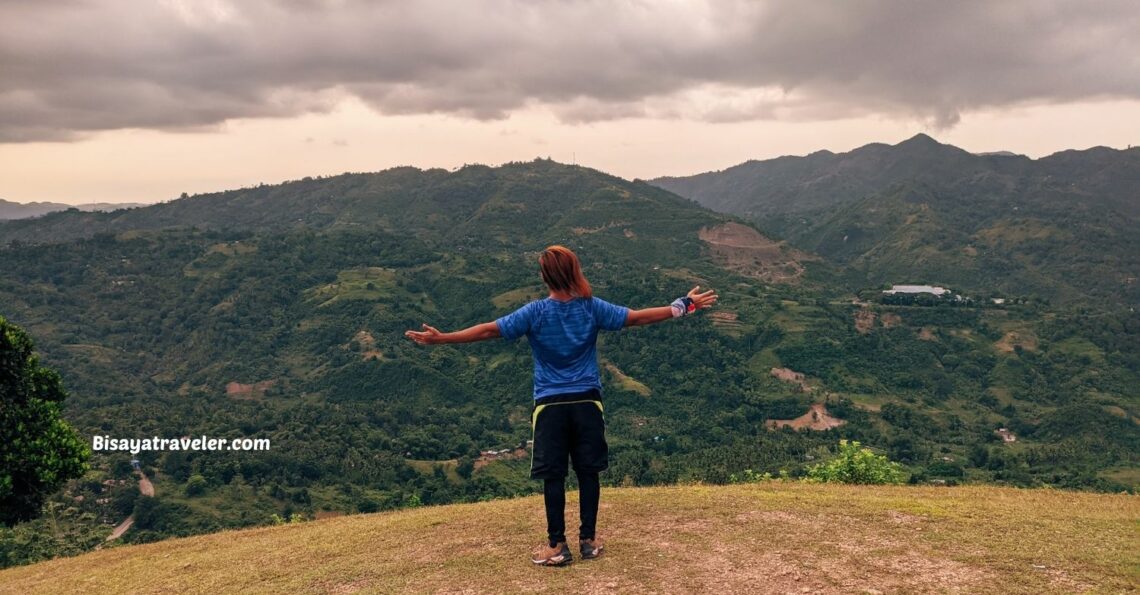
(768, 537)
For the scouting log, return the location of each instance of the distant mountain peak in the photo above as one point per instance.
(920, 139)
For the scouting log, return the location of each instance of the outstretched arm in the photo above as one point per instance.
(663, 313)
(432, 336)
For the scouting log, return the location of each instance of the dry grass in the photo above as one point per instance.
(770, 537)
(518, 297)
(625, 381)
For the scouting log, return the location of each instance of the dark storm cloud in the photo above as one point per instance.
(73, 66)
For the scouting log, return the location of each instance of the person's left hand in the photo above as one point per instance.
(429, 336)
(702, 300)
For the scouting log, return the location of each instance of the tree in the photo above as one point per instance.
(39, 451)
(196, 485)
(857, 465)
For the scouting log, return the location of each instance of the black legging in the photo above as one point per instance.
(554, 493)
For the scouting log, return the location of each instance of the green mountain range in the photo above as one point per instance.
(278, 311)
(1061, 228)
(16, 210)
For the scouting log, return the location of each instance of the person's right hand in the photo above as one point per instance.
(429, 336)
(702, 300)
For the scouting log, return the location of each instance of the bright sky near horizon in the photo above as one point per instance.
(115, 101)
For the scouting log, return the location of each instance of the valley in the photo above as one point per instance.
(278, 312)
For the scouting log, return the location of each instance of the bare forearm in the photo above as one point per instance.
(479, 332)
(649, 316)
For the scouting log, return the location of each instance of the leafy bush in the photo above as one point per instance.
(39, 450)
(857, 465)
(196, 485)
(291, 519)
(749, 476)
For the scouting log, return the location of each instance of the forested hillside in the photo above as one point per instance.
(278, 312)
(1062, 228)
(15, 210)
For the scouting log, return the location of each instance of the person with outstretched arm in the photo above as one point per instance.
(567, 419)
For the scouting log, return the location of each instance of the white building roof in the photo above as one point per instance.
(917, 289)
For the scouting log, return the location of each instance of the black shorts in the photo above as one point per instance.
(568, 426)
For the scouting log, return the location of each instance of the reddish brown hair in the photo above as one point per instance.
(561, 271)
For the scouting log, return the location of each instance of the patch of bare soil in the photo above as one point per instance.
(146, 488)
(723, 316)
(864, 320)
(367, 346)
(848, 557)
(1012, 339)
(890, 319)
(792, 376)
(817, 418)
(926, 333)
(256, 390)
(725, 320)
(744, 250)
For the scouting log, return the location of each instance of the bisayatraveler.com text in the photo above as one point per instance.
(137, 445)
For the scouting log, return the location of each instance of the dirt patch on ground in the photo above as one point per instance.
(864, 320)
(792, 376)
(256, 390)
(848, 558)
(726, 321)
(367, 346)
(926, 333)
(1024, 339)
(890, 319)
(817, 418)
(723, 316)
(744, 250)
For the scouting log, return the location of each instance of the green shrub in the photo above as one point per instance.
(857, 465)
(196, 485)
(749, 476)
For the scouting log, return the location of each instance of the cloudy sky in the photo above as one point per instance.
(122, 100)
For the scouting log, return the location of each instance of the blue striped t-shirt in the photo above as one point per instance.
(563, 337)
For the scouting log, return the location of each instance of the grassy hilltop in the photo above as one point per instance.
(766, 537)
